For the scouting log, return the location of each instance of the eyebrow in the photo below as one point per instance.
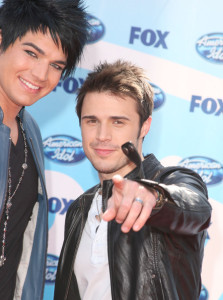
(62, 62)
(112, 117)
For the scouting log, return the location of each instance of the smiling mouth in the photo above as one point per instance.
(29, 85)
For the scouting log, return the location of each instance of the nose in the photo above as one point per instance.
(40, 71)
(104, 132)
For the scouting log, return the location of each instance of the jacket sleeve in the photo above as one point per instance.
(185, 208)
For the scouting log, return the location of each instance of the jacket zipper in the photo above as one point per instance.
(155, 263)
(77, 245)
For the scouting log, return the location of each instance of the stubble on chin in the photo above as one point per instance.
(112, 169)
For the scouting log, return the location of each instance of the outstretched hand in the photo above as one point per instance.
(131, 204)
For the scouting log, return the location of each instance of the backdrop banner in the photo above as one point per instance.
(180, 45)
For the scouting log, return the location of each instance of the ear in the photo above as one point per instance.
(0, 37)
(145, 127)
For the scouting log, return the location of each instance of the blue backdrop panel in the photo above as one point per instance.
(180, 44)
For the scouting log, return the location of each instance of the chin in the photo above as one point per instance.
(103, 170)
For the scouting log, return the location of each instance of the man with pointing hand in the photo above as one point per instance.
(139, 234)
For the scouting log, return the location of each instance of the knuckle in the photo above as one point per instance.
(125, 207)
(141, 188)
(133, 184)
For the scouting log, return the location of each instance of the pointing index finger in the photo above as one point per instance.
(118, 181)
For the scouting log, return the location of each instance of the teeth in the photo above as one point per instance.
(31, 86)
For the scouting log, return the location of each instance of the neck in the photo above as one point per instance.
(122, 172)
(9, 119)
(10, 111)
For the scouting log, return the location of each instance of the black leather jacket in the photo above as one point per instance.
(160, 262)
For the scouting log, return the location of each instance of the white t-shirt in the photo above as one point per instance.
(91, 263)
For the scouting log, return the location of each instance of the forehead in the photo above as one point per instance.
(43, 40)
(108, 103)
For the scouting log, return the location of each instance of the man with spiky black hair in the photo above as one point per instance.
(40, 42)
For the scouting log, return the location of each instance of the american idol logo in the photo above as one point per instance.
(97, 29)
(159, 96)
(209, 169)
(63, 149)
(51, 268)
(210, 46)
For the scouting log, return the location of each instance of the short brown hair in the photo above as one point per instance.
(120, 78)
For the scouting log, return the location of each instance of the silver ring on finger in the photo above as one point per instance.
(137, 199)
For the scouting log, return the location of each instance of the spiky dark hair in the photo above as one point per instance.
(65, 19)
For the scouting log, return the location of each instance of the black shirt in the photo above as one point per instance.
(19, 215)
